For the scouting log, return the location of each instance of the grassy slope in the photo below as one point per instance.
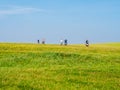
(54, 67)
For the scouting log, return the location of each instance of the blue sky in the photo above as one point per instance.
(75, 20)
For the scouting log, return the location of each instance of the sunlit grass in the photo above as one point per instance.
(55, 67)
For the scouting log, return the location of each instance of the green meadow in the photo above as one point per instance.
(55, 67)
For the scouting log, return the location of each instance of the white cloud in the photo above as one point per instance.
(8, 10)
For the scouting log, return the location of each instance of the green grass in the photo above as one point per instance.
(54, 67)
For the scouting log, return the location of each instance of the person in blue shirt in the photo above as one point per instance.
(38, 41)
(87, 43)
(65, 42)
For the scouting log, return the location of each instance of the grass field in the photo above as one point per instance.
(55, 67)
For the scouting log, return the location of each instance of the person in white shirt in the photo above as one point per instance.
(61, 42)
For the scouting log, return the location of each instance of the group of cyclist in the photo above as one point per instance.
(64, 42)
